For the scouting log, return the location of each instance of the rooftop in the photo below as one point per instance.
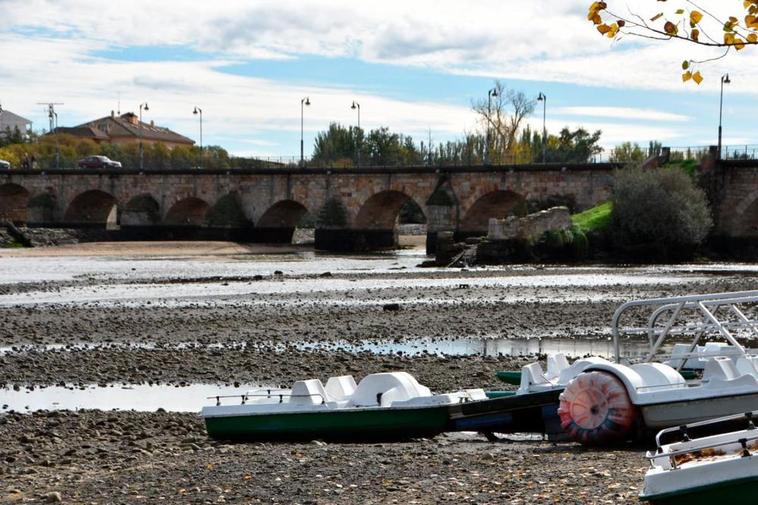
(128, 125)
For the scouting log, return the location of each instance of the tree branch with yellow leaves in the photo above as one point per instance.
(695, 25)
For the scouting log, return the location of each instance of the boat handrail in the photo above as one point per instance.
(672, 386)
(707, 304)
(695, 448)
(281, 396)
(748, 416)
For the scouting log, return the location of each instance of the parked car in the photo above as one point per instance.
(5, 165)
(98, 162)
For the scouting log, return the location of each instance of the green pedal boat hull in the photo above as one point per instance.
(734, 491)
(338, 424)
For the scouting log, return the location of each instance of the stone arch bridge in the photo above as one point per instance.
(354, 208)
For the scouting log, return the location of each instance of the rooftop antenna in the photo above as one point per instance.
(51, 114)
(53, 117)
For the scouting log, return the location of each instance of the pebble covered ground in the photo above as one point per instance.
(129, 457)
(103, 457)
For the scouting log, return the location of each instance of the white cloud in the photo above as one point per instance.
(620, 113)
(48, 45)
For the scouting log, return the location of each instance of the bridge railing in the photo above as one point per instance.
(728, 152)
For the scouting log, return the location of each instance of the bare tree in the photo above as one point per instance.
(501, 115)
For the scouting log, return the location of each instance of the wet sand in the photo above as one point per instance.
(219, 313)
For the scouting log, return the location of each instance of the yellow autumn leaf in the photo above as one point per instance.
(739, 43)
(670, 28)
(695, 17)
(752, 38)
(686, 76)
(603, 28)
(680, 11)
(697, 77)
(695, 34)
(729, 38)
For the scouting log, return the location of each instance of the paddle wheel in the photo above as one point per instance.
(595, 409)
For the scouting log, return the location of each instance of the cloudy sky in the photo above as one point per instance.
(414, 66)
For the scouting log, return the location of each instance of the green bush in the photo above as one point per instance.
(658, 214)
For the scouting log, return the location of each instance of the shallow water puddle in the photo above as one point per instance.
(141, 397)
(492, 347)
(412, 347)
(146, 293)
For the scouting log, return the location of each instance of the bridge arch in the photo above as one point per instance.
(227, 212)
(189, 211)
(42, 207)
(141, 210)
(381, 210)
(14, 203)
(92, 207)
(283, 214)
(499, 204)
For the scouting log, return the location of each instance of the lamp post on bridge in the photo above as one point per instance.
(724, 80)
(543, 98)
(357, 106)
(139, 129)
(199, 112)
(490, 93)
(305, 101)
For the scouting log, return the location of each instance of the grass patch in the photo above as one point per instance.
(596, 218)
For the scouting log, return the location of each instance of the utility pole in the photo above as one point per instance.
(53, 117)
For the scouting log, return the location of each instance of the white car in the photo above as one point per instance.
(5, 165)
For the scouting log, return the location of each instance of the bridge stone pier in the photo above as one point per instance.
(354, 209)
(734, 193)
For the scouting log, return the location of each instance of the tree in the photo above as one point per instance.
(626, 153)
(337, 144)
(501, 116)
(694, 25)
(659, 213)
(345, 146)
(578, 146)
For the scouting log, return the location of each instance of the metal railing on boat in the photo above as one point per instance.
(709, 308)
(281, 396)
(697, 449)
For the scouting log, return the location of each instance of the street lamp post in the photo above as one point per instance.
(724, 80)
(199, 112)
(305, 101)
(357, 106)
(543, 98)
(139, 129)
(196, 112)
(490, 93)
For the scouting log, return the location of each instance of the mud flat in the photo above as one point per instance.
(128, 457)
(109, 316)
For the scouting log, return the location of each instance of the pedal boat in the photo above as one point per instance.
(704, 470)
(383, 406)
(601, 402)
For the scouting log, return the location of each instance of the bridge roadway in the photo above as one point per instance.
(353, 208)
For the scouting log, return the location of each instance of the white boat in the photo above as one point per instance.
(385, 406)
(706, 469)
(604, 402)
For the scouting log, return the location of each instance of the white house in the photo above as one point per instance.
(11, 121)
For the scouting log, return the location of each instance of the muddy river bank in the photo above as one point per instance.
(103, 327)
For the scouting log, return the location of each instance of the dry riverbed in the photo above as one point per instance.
(224, 314)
